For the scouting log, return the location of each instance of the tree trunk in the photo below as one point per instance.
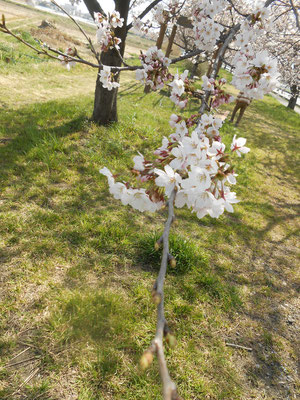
(93, 6)
(293, 100)
(105, 104)
(171, 40)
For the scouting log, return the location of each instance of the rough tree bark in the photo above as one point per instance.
(293, 100)
(171, 40)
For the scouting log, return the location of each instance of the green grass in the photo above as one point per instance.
(77, 267)
(90, 262)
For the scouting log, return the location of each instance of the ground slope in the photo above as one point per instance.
(77, 267)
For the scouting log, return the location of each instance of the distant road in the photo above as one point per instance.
(284, 101)
(61, 14)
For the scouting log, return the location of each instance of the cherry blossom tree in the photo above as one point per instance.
(192, 168)
(283, 41)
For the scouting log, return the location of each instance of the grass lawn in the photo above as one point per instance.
(77, 267)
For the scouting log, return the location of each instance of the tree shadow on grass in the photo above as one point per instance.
(279, 137)
(129, 90)
(32, 126)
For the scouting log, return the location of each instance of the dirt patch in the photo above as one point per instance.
(54, 37)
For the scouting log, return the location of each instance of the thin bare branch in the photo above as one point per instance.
(97, 56)
(169, 387)
(18, 355)
(236, 10)
(121, 58)
(42, 51)
(237, 346)
(4, 29)
(26, 361)
(186, 56)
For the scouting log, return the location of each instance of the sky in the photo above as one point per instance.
(107, 5)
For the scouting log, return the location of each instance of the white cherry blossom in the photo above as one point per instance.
(238, 146)
(168, 179)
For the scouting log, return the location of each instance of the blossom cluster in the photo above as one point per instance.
(155, 68)
(255, 74)
(155, 73)
(66, 61)
(107, 78)
(180, 84)
(260, 15)
(194, 164)
(136, 198)
(193, 161)
(216, 87)
(167, 11)
(137, 23)
(206, 30)
(105, 30)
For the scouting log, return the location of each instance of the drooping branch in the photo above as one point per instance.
(169, 387)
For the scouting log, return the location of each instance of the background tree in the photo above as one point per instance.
(283, 41)
(105, 103)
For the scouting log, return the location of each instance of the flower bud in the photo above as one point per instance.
(173, 262)
(171, 340)
(146, 359)
(156, 297)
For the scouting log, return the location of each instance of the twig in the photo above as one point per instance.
(29, 377)
(169, 387)
(27, 344)
(236, 10)
(238, 346)
(121, 58)
(23, 361)
(19, 354)
(187, 55)
(41, 51)
(81, 30)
